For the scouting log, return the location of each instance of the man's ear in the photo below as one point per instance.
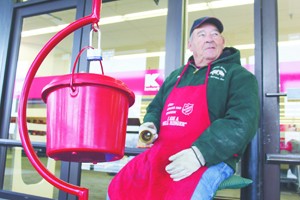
(223, 40)
(189, 44)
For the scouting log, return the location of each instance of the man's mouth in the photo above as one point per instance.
(207, 48)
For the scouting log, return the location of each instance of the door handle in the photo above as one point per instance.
(270, 94)
(283, 159)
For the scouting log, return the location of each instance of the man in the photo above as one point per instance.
(203, 117)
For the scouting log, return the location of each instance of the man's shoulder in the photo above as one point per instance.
(232, 67)
(176, 72)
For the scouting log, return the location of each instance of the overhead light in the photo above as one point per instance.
(244, 46)
(217, 4)
(144, 15)
(111, 20)
(280, 44)
(41, 31)
(289, 43)
(134, 16)
(140, 55)
(240, 47)
(163, 12)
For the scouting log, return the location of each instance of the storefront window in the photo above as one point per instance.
(289, 74)
(133, 50)
(36, 32)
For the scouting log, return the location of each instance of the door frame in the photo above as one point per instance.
(267, 175)
(268, 73)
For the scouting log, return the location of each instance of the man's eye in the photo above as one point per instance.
(201, 34)
(215, 34)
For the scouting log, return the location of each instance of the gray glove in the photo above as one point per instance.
(184, 163)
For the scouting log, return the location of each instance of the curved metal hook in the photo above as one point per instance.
(82, 193)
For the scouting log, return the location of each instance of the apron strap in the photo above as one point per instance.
(185, 68)
(181, 74)
(207, 73)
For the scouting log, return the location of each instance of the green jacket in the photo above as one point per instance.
(233, 105)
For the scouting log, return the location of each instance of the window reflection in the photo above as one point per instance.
(20, 176)
(289, 72)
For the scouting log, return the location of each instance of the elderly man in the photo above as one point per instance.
(202, 119)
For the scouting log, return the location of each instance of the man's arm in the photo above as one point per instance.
(229, 136)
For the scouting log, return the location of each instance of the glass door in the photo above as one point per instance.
(36, 31)
(281, 101)
(289, 103)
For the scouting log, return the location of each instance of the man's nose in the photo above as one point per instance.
(209, 38)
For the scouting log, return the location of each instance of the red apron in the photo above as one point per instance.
(184, 117)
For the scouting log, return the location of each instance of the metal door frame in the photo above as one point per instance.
(268, 76)
(267, 174)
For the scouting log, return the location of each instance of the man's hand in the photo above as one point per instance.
(147, 135)
(184, 163)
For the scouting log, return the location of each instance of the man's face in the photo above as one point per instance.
(206, 43)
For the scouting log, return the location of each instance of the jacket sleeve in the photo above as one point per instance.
(229, 135)
(154, 109)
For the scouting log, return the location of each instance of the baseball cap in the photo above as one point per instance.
(209, 20)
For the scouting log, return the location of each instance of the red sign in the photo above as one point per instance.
(140, 82)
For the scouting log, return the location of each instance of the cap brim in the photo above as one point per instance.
(215, 22)
(207, 20)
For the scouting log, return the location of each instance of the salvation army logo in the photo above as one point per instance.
(187, 108)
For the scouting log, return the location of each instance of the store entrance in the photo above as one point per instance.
(280, 133)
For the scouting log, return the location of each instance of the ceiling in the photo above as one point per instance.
(149, 34)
